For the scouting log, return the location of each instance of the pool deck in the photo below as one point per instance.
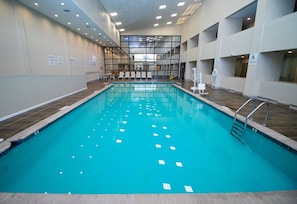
(287, 197)
(281, 120)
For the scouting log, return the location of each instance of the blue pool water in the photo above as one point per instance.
(145, 138)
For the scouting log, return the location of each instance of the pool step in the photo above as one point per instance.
(238, 129)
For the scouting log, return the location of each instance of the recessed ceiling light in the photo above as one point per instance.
(62, 4)
(36, 4)
(94, 29)
(69, 23)
(248, 18)
(78, 28)
(92, 37)
(56, 15)
(168, 23)
(174, 14)
(290, 52)
(118, 23)
(77, 15)
(86, 33)
(87, 23)
(181, 4)
(121, 30)
(156, 24)
(162, 7)
(114, 14)
(158, 17)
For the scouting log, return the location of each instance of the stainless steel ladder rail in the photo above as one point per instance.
(238, 128)
(257, 108)
(243, 105)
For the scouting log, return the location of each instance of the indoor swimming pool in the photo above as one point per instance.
(137, 138)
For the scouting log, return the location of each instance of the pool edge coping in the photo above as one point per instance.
(278, 137)
(288, 197)
(23, 135)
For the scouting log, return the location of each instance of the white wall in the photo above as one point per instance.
(280, 34)
(27, 77)
(274, 30)
(95, 10)
(275, 90)
(168, 30)
(233, 83)
(234, 45)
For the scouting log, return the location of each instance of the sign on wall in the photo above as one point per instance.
(51, 59)
(253, 59)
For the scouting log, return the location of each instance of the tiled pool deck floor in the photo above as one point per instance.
(281, 119)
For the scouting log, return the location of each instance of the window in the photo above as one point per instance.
(157, 54)
(289, 68)
(241, 66)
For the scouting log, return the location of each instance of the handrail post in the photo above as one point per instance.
(267, 113)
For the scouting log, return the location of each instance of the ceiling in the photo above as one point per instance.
(133, 15)
(141, 14)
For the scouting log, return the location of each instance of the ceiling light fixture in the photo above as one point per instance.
(36, 4)
(77, 15)
(162, 7)
(114, 14)
(118, 23)
(158, 17)
(56, 15)
(122, 29)
(69, 23)
(156, 24)
(174, 15)
(62, 4)
(168, 23)
(290, 52)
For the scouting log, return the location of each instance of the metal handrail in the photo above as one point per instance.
(257, 108)
(243, 105)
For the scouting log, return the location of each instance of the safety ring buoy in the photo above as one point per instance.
(214, 73)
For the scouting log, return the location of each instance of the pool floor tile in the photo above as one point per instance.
(189, 189)
(166, 186)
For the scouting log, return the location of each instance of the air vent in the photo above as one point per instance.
(66, 10)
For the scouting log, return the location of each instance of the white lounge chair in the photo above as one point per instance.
(121, 75)
(143, 75)
(149, 75)
(127, 75)
(138, 75)
(132, 75)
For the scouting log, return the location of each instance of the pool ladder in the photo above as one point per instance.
(238, 127)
